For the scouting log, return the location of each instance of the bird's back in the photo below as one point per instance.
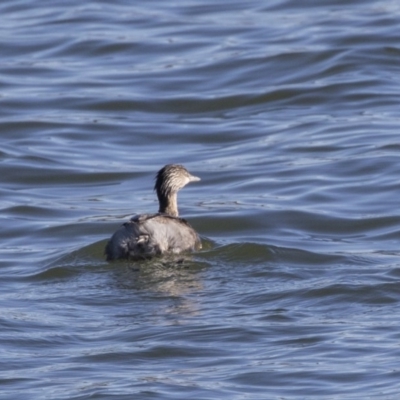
(147, 235)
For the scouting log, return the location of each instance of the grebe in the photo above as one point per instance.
(147, 235)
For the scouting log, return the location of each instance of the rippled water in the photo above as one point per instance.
(289, 112)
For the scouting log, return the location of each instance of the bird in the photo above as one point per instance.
(148, 235)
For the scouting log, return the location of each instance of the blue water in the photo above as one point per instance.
(289, 113)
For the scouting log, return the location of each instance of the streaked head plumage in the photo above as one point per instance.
(171, 178)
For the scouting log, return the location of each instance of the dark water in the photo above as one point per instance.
(289, 112)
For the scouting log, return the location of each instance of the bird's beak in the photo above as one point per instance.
(193, 178)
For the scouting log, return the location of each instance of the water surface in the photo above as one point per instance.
(289, 114)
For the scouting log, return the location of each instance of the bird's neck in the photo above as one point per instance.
(169, 204)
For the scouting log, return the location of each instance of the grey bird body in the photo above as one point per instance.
(147, 235)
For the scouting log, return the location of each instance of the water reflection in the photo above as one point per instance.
(175, 279)
(172, 276)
